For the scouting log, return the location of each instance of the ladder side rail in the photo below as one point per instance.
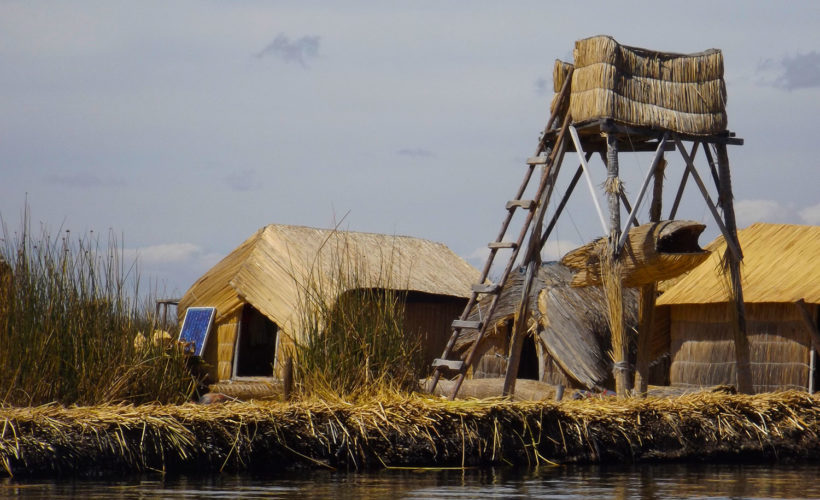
(542, 146)
(542, 185)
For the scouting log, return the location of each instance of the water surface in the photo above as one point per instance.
(563, 482)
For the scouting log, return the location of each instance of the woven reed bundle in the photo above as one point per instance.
(683, 93)
(647, 257)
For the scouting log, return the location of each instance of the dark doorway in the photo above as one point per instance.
(256, 346)
(528, 365)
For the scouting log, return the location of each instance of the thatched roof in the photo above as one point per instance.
(781, 263)
(271, 268)
(571, 322)
(639, 87)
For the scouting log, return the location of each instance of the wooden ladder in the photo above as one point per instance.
(549, 158)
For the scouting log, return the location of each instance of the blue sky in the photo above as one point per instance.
(185, 126)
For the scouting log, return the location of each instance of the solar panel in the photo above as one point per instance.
(195, 328)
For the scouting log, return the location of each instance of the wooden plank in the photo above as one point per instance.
(809, 322)
(463, 323)
(537, 160)
(525, 204)
(452, 364)
(502, 244)
(486, 288)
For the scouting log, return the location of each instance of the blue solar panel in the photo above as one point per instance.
(195, 328)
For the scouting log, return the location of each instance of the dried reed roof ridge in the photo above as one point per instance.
(780, 264)
(270, 268)
(684, 93)
(572, 325)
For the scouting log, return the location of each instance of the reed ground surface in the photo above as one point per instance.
(404, 431)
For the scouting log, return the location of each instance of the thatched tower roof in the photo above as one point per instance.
(570, 321)
(680, 92)
(271, 268)
(780, 264)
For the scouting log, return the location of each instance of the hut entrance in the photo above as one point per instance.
(255, 345)
(528, 366)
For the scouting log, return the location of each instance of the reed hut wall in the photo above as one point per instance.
(428, 319)
(703, 350)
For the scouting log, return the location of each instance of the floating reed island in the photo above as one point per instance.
(405, 431)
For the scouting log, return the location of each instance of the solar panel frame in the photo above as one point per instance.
(192, 334)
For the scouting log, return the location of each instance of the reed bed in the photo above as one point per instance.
(352, 337)
(405, 431)
(70, 314)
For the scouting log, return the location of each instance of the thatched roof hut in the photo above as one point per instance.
(780, 267)
(258, 289)
(645, 88)
(571, 339)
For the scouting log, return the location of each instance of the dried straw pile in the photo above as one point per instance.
(680, 92)
(405, 432)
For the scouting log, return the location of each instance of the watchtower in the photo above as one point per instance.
(614, 99)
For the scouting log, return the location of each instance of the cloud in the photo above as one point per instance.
(83, 180)
(295, 51)
(164, 254)
(542, 86)
(416, 153)
(800, 71)
(811, 215)
(244, 180)
(750, 211)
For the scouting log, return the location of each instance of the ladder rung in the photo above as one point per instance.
(486, 288)
(461, 323)
(502, 244)
(525, 204)
(537, 160)
(453, 364)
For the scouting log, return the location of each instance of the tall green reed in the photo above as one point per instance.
(352, 340)
(69, 315)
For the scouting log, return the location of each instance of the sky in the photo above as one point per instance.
(183, 127)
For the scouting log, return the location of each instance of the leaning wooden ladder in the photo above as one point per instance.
(549, 154)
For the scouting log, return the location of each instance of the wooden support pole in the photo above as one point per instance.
(711, 161)
(648, 293)
(633, 212)
(577, 142)
(733, 257)
(554, 155)
(729, 235)
(811, 326)
(532, 259)
(682, 184)
(611, 276)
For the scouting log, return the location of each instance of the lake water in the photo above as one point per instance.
(564, 482)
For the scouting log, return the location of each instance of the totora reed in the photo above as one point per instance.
(405, 431)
